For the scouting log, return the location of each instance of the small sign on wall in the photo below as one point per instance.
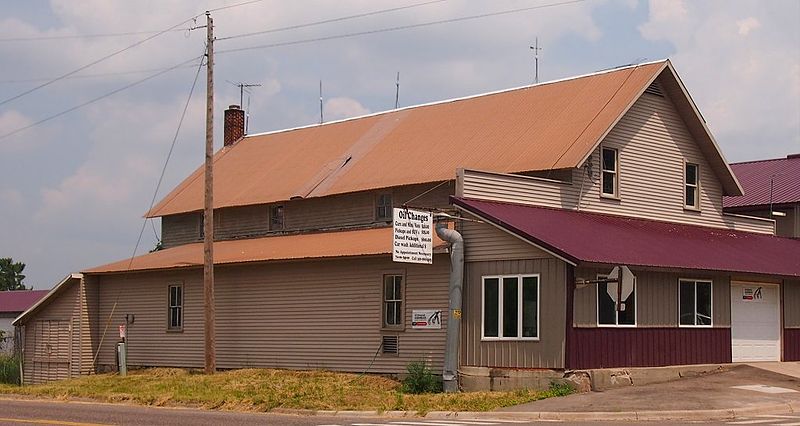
(752, 294)
(426, 319)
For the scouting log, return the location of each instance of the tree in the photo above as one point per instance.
(11, 274)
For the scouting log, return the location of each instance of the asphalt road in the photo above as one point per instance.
(44, 412)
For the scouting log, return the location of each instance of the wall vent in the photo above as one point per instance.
(391, 345)
(654, 89)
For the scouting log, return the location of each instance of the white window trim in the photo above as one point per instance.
(695, 281)
(616, 318)
(519, 308)
(696, 186)
(615, 195)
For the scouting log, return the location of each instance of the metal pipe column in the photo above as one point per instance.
(450, 371)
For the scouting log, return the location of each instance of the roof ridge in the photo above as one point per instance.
(460, 98)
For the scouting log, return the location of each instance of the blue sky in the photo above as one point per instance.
(72, 190)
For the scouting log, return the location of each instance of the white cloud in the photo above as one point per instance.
(748, 24)
(741, 71)
(339, 108)
(11, 121)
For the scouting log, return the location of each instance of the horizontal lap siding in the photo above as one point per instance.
(38, 367)
(656, 301)
(648, 347)
(548, 352)
(324, 314)
(305, 214)
(653, 144)
(486, 242)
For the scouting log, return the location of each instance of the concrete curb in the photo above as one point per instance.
(678, 415)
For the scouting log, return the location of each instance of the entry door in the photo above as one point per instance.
(755, 322)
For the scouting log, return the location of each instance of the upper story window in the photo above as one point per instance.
(383, 207)
(393, 301)
(608, 313)
(275, 218)
(695, 302)
(175, 308)
(610, 172)
(692, 186)
(510, 307)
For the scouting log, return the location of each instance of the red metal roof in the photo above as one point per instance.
(20, 300)
(755, 178)
(599, 238)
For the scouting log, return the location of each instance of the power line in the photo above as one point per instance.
(152, 202)
(95, 62)
(93, 100)
(78, 36)
(401, 27)
(327, 21)
(80, 76)
(117, 34)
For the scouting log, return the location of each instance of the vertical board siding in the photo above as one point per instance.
(548, 352)
(791, 304)
(657, 298)
(300, 315)
(650, 184)
(334, 211)
(486, 242)
(791, 344)
(49, 338)
(648, 347)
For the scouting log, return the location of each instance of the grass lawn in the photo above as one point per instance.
(263, 390)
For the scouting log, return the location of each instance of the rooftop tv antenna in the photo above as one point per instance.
(397, 91)
(320, 103)
(536, 50)
(244, 88)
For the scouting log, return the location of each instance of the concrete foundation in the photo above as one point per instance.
(504, 379)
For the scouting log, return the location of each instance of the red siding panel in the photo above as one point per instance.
(791, 344)
(651, 347)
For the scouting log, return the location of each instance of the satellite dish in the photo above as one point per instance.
(624, 278)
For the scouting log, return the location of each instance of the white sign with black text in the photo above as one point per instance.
(412, 240)
(426, 318)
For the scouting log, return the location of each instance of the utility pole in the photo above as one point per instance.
(208, 209)
(321, 120)
(536, 50)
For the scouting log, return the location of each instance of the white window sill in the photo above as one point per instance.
(510, 339)
(616, 326)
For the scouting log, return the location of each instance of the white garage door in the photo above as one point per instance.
(755, 322)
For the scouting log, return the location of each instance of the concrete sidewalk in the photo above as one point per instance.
(769, 388)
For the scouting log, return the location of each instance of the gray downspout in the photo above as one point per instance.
(450, 371)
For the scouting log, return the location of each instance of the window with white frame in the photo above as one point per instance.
(510, 307)
(175, 307)
(692, 186)
(610, 172)
(393, 301)
(608, 313)
(695, 302)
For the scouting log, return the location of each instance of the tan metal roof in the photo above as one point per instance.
(287, 247)
(546, 126)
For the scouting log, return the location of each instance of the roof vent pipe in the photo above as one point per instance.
(450, 371)
(234, 124)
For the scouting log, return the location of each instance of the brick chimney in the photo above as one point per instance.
(234, 124)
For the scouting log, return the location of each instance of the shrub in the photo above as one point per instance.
(9, 369)
(421, 379)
